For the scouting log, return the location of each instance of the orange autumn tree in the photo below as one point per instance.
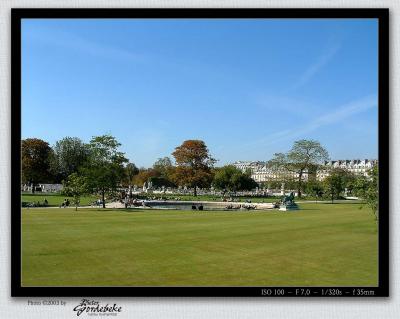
(193, 165)
(35, 160)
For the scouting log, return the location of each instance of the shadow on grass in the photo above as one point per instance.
(344, 203)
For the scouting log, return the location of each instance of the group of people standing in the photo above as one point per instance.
(65, 203)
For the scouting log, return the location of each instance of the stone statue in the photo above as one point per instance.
(287, 203)
(288, 200)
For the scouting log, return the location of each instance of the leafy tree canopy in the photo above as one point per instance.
(162, 163)
(130, 172)
(336, 182)
(304, 155)
(194, 164)
(314, 188)
(76, 186)
(69, 154)
(233, 179)
(35, 158)
(105, 167)
(367, 187)
(165, 168)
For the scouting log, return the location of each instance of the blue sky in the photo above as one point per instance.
(248, 88)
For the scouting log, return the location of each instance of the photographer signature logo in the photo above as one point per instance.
(94, 308)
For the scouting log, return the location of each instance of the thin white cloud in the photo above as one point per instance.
(316, 67)
(341, 113)
(71, 41)
(285, 104)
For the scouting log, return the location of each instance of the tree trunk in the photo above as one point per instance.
(33, 188)
(299, 184)
(332, 197)
(76, 207)
(102, 198)
(195, 191)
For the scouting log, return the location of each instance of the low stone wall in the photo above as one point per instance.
(208, 204)
(158, 204)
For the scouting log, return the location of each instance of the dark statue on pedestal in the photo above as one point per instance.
(288, 200)
(287, 203)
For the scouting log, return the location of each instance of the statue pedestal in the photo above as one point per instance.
(287, 207)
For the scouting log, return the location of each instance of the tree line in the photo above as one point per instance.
(100, 167)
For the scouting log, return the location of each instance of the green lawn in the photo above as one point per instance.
(55, 199)
(320, 245)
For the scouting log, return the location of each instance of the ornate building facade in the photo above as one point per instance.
(267, 174)
(357, 167)
(245, 165)
(260, 172)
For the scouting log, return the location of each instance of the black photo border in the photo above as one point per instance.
(17, 290)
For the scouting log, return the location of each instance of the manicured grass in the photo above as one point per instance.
(320, 245)
(55, 200)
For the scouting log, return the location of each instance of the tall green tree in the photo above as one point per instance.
(105, 167)
(193, 165)
(35, 158)
(367, 187)
(305, 155)
(76, 186)
(165, 171)
(314, 188)
(233, 179)
(69, 154)
(274, 184)
(336, 182)
(163, 165)
(290, 183)
(130, 171)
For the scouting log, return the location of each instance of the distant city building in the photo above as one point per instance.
(268, 174)
(357, 167)
(261, 173)
(245, 165)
